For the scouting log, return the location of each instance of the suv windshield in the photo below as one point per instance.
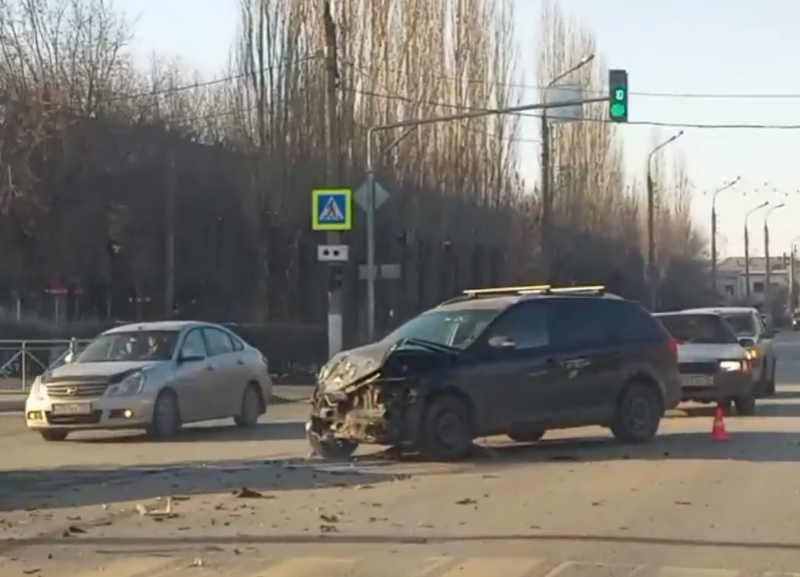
(697, 329)
(742, 324)
(130, 346)
(454, 328)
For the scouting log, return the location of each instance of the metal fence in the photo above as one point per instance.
(21, 361)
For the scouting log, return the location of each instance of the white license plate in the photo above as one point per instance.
(72, 409)
(697, 380)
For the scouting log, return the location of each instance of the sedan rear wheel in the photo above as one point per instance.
(251, 408)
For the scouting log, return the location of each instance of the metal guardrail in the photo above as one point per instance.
(24, 360)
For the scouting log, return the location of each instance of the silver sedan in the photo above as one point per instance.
(152, 376)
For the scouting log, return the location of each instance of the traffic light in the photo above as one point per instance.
(618, 95)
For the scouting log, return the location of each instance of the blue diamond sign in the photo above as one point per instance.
(332, 209)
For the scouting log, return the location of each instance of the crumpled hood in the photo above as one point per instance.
(97, 369)
(353, 365)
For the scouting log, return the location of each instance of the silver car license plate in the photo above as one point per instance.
(697, 381)
(71, 409)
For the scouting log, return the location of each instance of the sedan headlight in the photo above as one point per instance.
(130, 385)
(730, 366)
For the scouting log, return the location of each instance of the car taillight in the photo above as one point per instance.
(673, 347)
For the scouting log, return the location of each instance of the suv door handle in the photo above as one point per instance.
(239, 362)
(210, 367)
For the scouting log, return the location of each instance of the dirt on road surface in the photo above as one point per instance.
(224, 503)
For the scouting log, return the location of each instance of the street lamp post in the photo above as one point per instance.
(409, 126)
(768, 264)
(651, 224)
(747, 248)
(791, 273)
(714, 230)
(547, 193)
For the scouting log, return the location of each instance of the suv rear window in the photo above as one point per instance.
(698, 329)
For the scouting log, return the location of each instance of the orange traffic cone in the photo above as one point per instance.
(718, 432)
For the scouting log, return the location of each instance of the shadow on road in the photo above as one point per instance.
(742, 446)
(80, 486)
(164, 543)
(765, 408)
(281, 431)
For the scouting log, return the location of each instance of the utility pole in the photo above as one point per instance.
(547, 202)
(546, 242)
(768, 264)
(747, 248)
(651, 271)
(746, 263)
(335, 286)
(791, 278)
(767, 267)
(169, 237)
(731, 184)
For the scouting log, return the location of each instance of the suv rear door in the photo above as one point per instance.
(589, 360)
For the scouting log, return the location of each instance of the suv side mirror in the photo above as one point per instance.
(501, 342)
(747, 343)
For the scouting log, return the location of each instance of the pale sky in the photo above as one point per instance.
(710, 47)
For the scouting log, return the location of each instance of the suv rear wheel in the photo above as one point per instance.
(446, 430)
(639, 412)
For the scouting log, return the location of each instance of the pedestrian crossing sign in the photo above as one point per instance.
(332, 209)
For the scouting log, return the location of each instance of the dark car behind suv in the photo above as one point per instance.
(516, 361)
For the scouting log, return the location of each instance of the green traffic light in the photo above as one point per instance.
(617, 109)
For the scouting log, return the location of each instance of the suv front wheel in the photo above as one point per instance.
(639, 412)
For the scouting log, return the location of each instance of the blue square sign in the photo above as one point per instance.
(332, 209)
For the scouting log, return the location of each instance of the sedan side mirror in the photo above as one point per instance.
(747, 343)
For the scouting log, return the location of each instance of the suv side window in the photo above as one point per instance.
(579, 322)
(525, 324)
(640, 326)
(219, 343)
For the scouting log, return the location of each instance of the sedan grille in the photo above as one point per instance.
(76, 390)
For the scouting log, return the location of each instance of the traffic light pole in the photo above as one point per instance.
(414, 123)
(335, 287)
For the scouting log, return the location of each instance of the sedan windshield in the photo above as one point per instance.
(453, 328)
(697, 329)
(743, 324)
(130, 346)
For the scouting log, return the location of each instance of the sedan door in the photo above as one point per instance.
(228, 376)
(192, 378)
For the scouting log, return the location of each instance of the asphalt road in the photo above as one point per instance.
(575, 505)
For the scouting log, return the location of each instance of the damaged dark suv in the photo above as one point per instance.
(517, 361)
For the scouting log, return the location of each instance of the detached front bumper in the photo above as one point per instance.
(375, 413)
(133, 412)
(716, 388)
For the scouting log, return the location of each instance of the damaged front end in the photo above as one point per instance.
(358, 400)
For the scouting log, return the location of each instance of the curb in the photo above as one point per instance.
(12, 405)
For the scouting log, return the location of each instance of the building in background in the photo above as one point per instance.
(732, 283)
